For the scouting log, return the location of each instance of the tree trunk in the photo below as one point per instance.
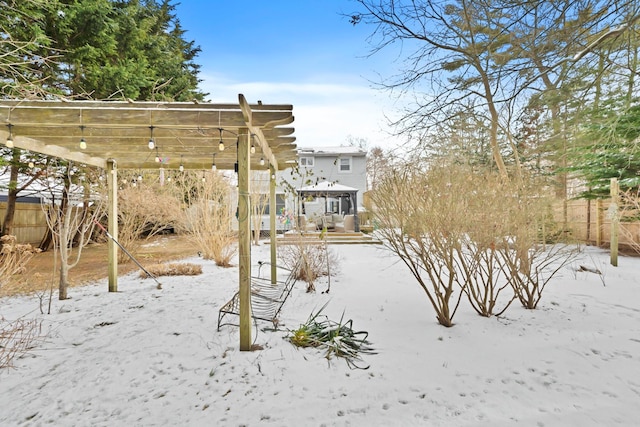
(12, 196)
(47, 240)
(64, 278)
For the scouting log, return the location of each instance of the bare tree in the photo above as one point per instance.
(71, 223)
(488, 57)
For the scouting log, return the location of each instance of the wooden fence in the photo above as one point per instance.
(590, 222)
(29, 223)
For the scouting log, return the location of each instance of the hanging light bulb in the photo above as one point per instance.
(203, 177)
(157, 159)
(9, 142)
(253, 145)
(261, 161)
(181, 168)
(213, 163)
(221, 144)
(152, 143)
(83, 142)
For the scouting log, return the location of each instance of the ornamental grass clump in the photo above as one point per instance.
(338, 338)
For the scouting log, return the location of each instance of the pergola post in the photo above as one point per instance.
(112, 216)
(272, 220)
(244, 239)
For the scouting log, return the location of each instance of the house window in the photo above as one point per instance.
(280, 204)
(306, 161)
(345, 164)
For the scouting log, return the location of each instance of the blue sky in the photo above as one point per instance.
(300, 52)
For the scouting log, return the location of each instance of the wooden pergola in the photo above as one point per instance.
(116, 135)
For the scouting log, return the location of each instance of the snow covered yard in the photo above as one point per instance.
(149, 357)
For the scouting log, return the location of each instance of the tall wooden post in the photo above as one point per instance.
(244, 239)
(615, 219)
(112, 216)
(272, 221)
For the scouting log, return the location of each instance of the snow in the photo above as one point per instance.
(148, 357)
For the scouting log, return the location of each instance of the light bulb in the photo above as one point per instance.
(181, 168)
(151, 144)
(253, 149)
(221, 146)
(83, 144)
(213, 167)
(9, 142)
(261, 161)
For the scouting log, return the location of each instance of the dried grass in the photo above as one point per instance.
(13, 258)
(172, 269)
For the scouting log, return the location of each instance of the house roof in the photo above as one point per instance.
(332, 151)
(183, 133)
(327, 187)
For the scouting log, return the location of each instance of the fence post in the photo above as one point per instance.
(613, 211)
(598, 222)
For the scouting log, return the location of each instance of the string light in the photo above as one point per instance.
(152, 143)
(213, 163)
(221, 144)
(181, 168)
(261, 161)
(83, 142)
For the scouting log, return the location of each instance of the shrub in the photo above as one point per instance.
(13, 257)
(459, 228)
(309, 261)
(17, 338)
(209, 217)
(144, 211)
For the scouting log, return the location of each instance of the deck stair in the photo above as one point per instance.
(332, 238)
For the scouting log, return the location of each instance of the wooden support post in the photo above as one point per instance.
(615, 219)
(112, 217)
(244, 239)
(272, 220)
